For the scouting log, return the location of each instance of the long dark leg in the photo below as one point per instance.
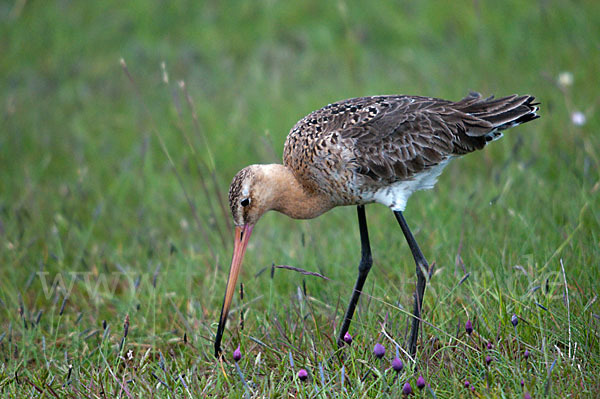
(363, 270)
(421, 264)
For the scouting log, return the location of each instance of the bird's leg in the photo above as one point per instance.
(421, 264)
(363, 270)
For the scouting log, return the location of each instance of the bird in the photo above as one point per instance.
(376, 149)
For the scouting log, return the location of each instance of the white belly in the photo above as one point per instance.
(395, 195)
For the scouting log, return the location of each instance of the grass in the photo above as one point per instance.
(100, 229)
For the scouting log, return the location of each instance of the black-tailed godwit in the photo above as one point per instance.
(363, 150)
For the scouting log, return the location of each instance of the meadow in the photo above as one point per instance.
(122, 124)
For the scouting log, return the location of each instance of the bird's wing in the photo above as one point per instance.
(403, 135)
(391, 138)
(400, 140)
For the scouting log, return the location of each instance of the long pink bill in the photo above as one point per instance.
(242, 235)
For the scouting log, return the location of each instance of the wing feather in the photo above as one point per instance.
(391, 138)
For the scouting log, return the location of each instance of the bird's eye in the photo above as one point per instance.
(245, 202)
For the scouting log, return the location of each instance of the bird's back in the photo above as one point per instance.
(354, 148)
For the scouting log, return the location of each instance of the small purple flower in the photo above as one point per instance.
(472, 388)
(490, 346)
(407, 389)
(526, 354)
(420, 382)
(348, 338)
(397, 364)
(467, 383)
(469, 327)
(302, 374)
(514, 320)
(488, 360)
(522, 383)
(379, 350)
(526, 395)
(237, 354)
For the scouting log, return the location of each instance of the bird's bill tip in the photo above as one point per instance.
(242, 236)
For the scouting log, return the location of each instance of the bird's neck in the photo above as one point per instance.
(285, 194)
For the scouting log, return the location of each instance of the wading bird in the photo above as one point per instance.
(364, 150)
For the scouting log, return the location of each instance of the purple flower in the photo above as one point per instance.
(467, 383)
(488, 360)
(397, 364)
(407, 389)
(237, 354)
(348, 338)
(490, 346)
(526, 354)
(469, 327)
(526, 395)
(420, 382)
(514, 320)
(302, 374)
(379, 350)
(472, 388)
(522, 383)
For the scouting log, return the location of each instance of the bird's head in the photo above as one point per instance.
(250, 196)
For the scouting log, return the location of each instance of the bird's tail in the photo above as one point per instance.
(488, 117)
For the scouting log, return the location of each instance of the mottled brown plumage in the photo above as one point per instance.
(357, 146)
(363, 150)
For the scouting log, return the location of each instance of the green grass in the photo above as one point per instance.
(96, 223)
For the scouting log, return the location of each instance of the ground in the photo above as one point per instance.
(115, 237)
